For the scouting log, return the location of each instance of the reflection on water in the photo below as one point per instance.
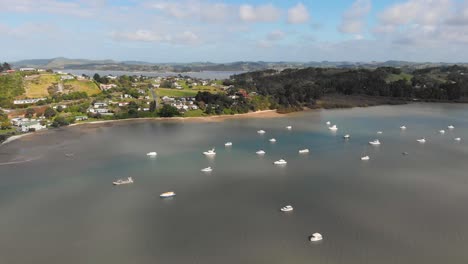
(393, 208)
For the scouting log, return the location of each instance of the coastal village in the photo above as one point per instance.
(57, 98)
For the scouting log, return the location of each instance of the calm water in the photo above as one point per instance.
(391, 209)
(203, 75)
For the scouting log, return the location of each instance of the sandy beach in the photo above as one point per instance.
(216, 118)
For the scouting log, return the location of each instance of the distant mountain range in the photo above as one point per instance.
(111, 65)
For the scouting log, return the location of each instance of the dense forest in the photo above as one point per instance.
(302, 87)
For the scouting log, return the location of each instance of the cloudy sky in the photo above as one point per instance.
(234, 30)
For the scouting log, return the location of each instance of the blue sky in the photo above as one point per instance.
(234, 30)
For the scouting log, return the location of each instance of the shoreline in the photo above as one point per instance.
(200, 119)
(15, 137)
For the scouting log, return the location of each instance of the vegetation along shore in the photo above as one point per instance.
(33, 99)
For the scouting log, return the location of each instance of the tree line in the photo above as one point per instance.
(5, 67)
(302, 87)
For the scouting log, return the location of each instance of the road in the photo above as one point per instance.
(155, 96)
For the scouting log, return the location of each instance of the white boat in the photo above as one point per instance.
(260, 152)
(261, 132)
(123, 181)
(458, 139)
(287, 208)
(228, 144)
(379, 132)
(328, 123)
(365, 158)
(347, 136)
(375, 142)
(151, 154)
(451, 127)
(280, 162)
(442, 131)
(167, 194)
(303, 151)
(403, 127)
(209, 169)
(289, 127)
(272, 140)
(316, 237)
(421, 140)
(210, 152)
(333, 128)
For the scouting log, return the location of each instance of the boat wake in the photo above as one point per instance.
(19, 161)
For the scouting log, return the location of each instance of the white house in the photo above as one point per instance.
(66, 77)
(81, 118)
(27, 126)
(28, 101)
(63, 106)
(27, 69)
(100, 104)
(98, 110)
(105, 87)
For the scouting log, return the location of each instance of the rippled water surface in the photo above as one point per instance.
(393, 208)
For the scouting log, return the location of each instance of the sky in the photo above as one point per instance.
(235, 30)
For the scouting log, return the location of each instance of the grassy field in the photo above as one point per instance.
(89, 87)
(194, 113)
(176, 93)
(36, 86)
(397, 77)
(7, 131)
(11, 85)
(202, 88)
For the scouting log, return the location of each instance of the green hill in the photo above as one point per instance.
(11, 85)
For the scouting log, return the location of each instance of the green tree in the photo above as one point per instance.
(5, 124)
(59, 109)
(3, 116)
(152, 106)
(49, 112)
(61, 121)
(168, 111)
(166, 84)
(30, 112)
(5, 67)
(97, 77)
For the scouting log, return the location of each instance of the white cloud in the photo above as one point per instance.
(261, 13)
(436, 24)
(264, 44)
(187, 37)
(298, 14)
(193, 9)
(276, 35)
(353, 20)
(142, 35)
(81, 9)
(460, 18)
(425, 12)
(29, 30)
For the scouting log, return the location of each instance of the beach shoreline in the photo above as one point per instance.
(200, 119)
